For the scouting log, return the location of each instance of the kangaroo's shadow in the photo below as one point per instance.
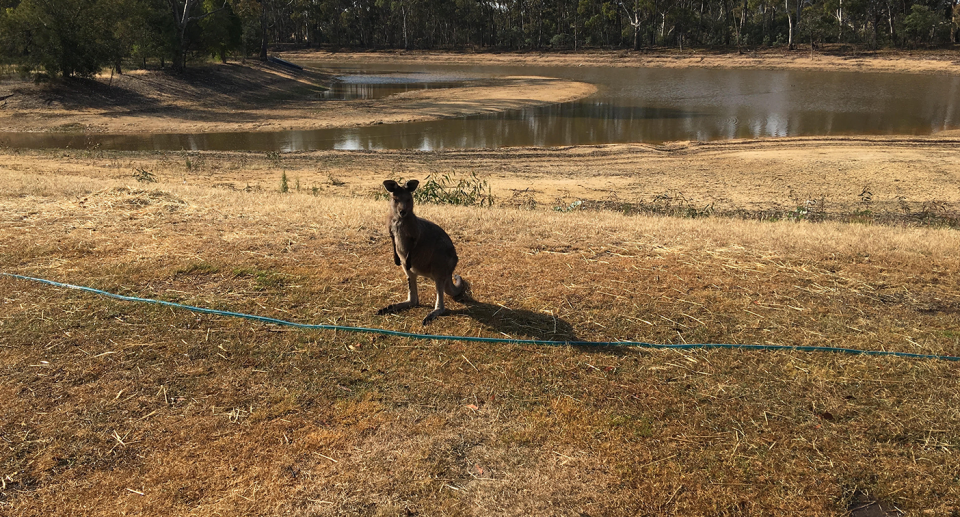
(517, 323)
(524, 324)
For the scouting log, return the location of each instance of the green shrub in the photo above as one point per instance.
(448, 190)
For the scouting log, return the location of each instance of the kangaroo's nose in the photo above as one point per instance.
(403, 212)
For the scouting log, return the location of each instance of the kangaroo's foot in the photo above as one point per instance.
(433, 315)
(395, 307)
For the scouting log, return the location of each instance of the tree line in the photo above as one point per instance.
(81, 37)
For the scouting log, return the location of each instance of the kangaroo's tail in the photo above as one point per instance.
(458, 287)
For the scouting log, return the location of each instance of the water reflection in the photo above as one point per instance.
(633, 105)
(378, 86)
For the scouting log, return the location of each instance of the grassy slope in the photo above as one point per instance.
(112, 407)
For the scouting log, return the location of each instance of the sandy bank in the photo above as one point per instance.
(246, 98)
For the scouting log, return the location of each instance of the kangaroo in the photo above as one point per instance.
(422, 248)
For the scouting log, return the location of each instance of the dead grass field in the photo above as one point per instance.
(117, 408)
(120, 408)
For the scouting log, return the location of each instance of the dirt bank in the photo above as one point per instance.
(252, 97)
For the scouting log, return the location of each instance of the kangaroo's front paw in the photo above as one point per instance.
(432, 316)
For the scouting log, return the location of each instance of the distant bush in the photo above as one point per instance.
(449, 190)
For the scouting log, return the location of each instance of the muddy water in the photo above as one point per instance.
(632, 105)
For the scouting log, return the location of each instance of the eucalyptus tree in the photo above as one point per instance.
(955, 21)
(62, 38)
(146, 31)
(875, 16)
(222, 31)
(248, 14)
(185, 15)
(637, 13)
(401, 10)
(681, 17)
(819, 22)
(790, 20)
(601, 22)
(925, 25)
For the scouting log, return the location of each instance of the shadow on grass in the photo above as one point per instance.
(526, 325)
(529, 325)
(517, 323)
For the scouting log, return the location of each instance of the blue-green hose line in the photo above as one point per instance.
(412, 335)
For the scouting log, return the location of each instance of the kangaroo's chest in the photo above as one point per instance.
(404, 238)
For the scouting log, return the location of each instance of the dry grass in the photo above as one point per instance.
(871, 179)
(119, 408)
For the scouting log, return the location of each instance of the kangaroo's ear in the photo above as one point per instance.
(412, 185)
(390, 185)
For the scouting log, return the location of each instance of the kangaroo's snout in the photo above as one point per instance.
(402, 205)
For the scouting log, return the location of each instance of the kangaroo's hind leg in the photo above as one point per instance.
(412, 296)
(438, 308)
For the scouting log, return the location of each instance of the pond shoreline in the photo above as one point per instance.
(252, 97)
(257, 97)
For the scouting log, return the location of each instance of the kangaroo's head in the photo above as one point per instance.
(401, 198)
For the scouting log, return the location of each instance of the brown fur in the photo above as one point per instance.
(421, 248)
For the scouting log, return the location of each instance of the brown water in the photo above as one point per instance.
(632, 105)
